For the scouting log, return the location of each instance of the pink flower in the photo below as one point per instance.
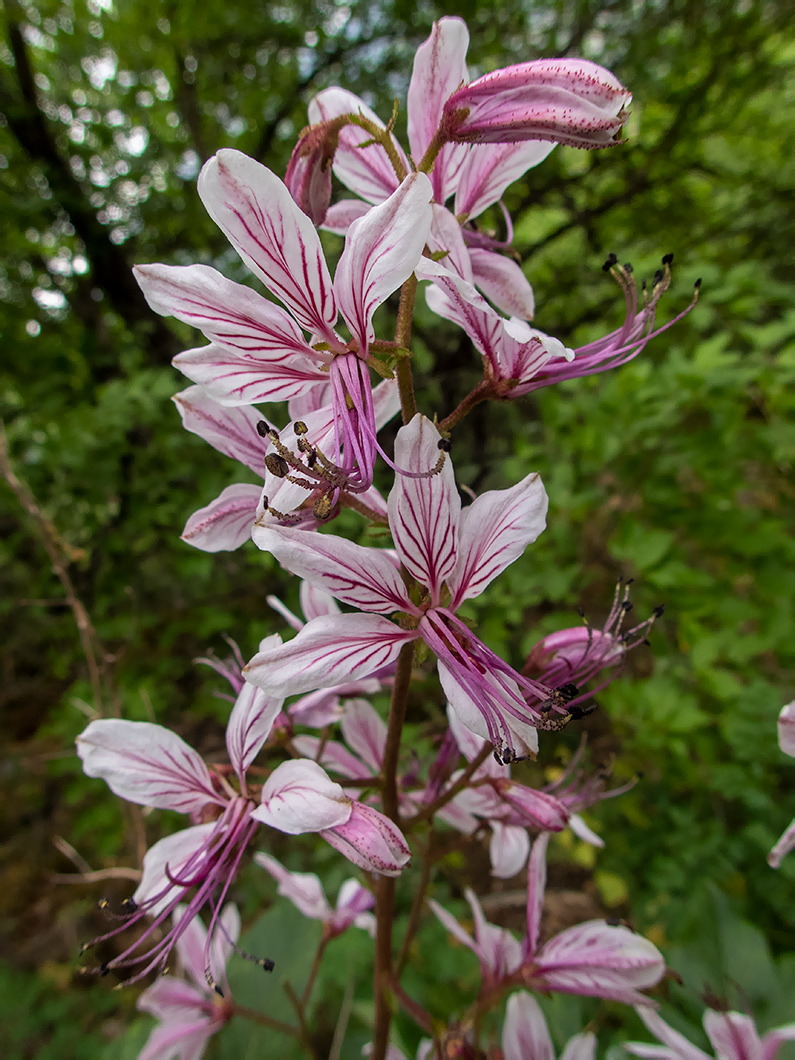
(453, 555)
(308, 176)
(258, 351)
(476, 175)
(786, 741)
(152, 766)
(305, 891)
(568, 101)
(733, 1037)
(518, 359)
(496, 949)
(191, 1012)
(525, 1034)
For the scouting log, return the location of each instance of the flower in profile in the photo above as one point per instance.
(732, 1035)
(525, 1035)
(786, 741)
(152, 766)
(258, 350)
(189, 1009)
(453, 556)
(568, 101)
(305, 891)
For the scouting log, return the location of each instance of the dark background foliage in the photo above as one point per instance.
(676, 469)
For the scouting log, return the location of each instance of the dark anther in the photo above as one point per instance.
(218, 990)
(268, 965)
(658, 610)
(277, 465)
(582, 710)
(626, 605)
(611, 260)
(581, 612)
(265, 504)
(628, 266)
(104, 969)
(311, 459)
(445, 445)
(629, 582)
(568, 691)
(657, 277)
(300, 427)
(668, 259)
(129, 905)
(643, 285)
(613, 921)
(697, 284)
(263, 429)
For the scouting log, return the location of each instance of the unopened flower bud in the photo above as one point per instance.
(308, 176)
(569, 101)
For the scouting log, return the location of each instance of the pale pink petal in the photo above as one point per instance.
(366, 578)
(232, 431)
(499, 952)
(502, 281)
(354, 897)
(782, 847)
(538, 808)
(536, 885)
(439, 69)
(424, 512)
(650, 1052)
(599, 960)
(249, 378)
(231, 316)
(449, 921)
(580, 1047)
(222, 944)
(786, 729)
(381, 251)
(584, 832)
(524, 1032)
(225, 523)
(147, 764)
(341, 215)
(773, 1040)
(250, 722)
(678, 1045)
(365, 732)
(184, 1039)
(493, 532)
(508, 850)
(371, 841)
(334, 756)
(519, 736)
(300, 797)
(733, 1035)
(171, 998)
(316, 602)
(304, 889)
(469, 744)
(366, 171)
(327, 652)
(317, 710)
(279, 606)
(272, 235)
(190, 947)
(490, 169)
(175, 853)
(445, 237)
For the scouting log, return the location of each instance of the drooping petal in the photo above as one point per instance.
(185, 1039)
(786, 729)
(424, 512)
(584, 832)
(499, 952)
(341, 215)
(169, 998)
(536, 885)
(445, 237)
(232, 431)
(367, 171)
(249, 378)
(190, 947)
(381, 251)
(225, 523)
(365, 732)
(169, 858)
(251, 721)
(147, 764)
(452, 925)
(773, 1040)
(371, 841)
(490, 169)
(364, 577)
(524, 1032)
(334, 756)
(304, 889)
(493, 532)
(327, 652)
(439, 69)
(300, 797)
(272, 235)
(316, 602)
(580, 1047)
(354, 898)
(508, 849)
(733, 1035)
(538, 808)
(597, 959)
(677, 1044)
(502, 281)
(223, 941)
(782, 847)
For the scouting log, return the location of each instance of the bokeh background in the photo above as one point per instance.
(676, 469)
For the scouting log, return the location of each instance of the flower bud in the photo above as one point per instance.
(308, 176)
(569, 101)
(370, 840)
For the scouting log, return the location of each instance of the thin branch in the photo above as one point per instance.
(265, 1021)
(118, 872)
(428, 811)
(416, 906)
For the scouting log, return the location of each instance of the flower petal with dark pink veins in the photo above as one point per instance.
(225, 523)
(300, 797)
(524, 1032)
(490, 169)
(147, 764)
(230, 430)
(502, 281)
(365, 732)
(272, 235)
(248, 378)
(181, 852)
(250, 722)
(370, 840)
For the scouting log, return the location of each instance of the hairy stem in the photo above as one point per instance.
(416, 906)
(408, 293)
(298, 1008)
(482, 392)
(310, 982)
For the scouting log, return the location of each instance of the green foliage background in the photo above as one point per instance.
(676, 469)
